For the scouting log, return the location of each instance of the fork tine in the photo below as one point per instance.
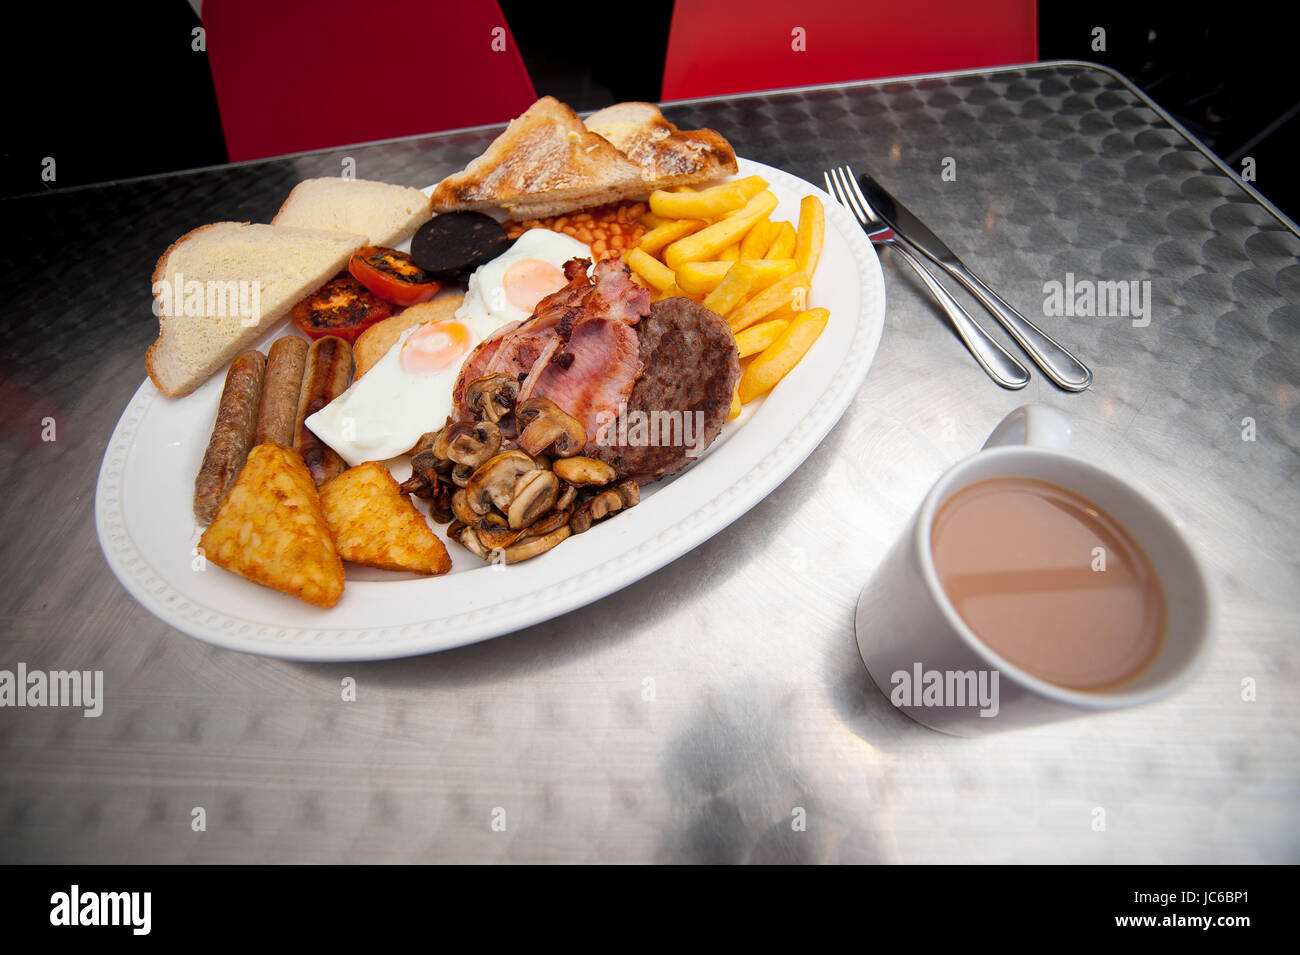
(841, 194)
(857, 194)
(872, 220)
(833, 187)
(855, 197)
(830, 186)
(843, 178)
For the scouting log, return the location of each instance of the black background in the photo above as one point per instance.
(107, 89)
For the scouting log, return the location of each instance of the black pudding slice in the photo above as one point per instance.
(456, 243)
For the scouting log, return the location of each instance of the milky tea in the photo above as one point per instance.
(1049, 581)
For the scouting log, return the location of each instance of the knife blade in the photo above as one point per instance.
(1054, 359)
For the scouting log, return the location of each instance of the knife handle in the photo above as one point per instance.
(1057, 363)
(992, 357)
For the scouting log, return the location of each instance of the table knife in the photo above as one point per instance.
(1057, 363)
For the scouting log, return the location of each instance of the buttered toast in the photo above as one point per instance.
(545, 163)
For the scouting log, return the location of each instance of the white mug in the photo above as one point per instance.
(908, 630)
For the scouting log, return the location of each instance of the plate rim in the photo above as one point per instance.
(345, 644)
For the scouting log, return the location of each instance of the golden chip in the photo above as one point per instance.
(271, 529)
(756, 338)
(670, 231)
(735, 285)
(770, 366)
(374, 524)
(704, 277)
(784, 243)
(656, 275)
(758, 239)
(811, 235)
(707, 204)
(714, 238)
(784, 292)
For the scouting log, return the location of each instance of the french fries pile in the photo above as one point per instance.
(720, 247)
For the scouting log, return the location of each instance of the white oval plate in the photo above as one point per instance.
(144, 501)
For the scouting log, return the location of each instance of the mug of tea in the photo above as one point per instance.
(1032, 586)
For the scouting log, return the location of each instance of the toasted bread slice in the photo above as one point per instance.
(546, 163)
(202, 326)
(385, 214)
(271, 529)
(373, 523)
(668, 156)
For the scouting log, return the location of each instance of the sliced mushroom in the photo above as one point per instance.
(509, 426)
(440, 503)
(454, 529)
(424, 476)
(426, 440)
(568, 492)
(545, 426)
(534, 494)
(468, 442)
(582, 470)
(461, 473)
(630, 491)
(605, 503)
(581, 521)
(597, 508)
(493, 532)
(461, 509)
(471, 541)
(415, 485)
(494, 482)
(547, 523)
(492, 396)
(532, 546)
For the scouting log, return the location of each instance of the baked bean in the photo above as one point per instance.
(607, 230)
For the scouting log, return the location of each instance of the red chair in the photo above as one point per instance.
(717, 47)
(293, 75)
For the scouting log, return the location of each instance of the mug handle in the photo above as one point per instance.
(1035, 425)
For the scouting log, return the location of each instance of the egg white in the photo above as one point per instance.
(386, 411)
(486, 307)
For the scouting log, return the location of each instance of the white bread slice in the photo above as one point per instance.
(668, 156)
(286, 263)
(545, 163)
(385, 214)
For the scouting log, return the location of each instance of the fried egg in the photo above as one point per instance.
(508, 288)
(404, 395)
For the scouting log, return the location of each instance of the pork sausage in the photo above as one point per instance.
(327, 374)
(232, 435)
(280, 391)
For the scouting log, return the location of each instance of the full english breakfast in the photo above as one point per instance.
(583, 309)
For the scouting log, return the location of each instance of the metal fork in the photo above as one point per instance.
(992, 357)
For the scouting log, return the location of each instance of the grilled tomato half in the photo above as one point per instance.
(392, 275)
(342, 307)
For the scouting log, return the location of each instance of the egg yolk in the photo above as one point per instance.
(435, 346)
(528, 281)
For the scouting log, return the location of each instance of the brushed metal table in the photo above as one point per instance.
(718, 710)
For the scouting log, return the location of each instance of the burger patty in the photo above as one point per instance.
(680, 403)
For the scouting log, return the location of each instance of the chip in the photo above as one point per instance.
(271, 529)
(374, 524)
